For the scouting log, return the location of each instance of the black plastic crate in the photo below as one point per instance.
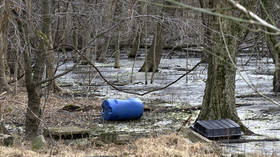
(216, 129)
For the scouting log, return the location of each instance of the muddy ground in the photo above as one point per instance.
(165, 109)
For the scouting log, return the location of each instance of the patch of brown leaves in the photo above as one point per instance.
(14, 108)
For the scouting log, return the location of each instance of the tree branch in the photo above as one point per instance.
(57, 76)
(254, 16)
(135, 93)
(257, 20)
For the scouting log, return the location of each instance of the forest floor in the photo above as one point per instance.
(14, 107)
(167, 110)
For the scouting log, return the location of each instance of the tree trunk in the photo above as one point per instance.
(87, 30)
(3, 46)
(75, 36)
(85, 45)
(50, 59)
(272, 43)
(117, 51)
(153, 60)
(206, 21)
(66, 30)
(138, 34)
(33, 113)
(3, 130)
(35, 74)
(105, 43)
(136, 43)
(219, 94)
(157, 44)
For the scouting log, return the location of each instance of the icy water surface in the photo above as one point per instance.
(259, 114)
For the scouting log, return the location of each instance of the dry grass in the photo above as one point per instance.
(172, 145)
(164, 146)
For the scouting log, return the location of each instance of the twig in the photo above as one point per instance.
(3, 93)
(187, 121)
(57, 76)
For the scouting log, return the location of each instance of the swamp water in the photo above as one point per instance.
(168, 108)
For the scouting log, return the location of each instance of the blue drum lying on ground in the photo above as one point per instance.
(114, 109)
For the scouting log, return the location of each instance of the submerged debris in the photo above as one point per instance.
(66, 132)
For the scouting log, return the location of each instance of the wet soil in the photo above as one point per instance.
(168, 108)
(255, 111)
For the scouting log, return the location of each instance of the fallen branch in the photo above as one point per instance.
(3, 93)
(256, 95)
(187, 121)
(2, 97)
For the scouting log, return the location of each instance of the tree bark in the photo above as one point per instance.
(33, 75)
(272, 43)
(50, 59)
(3, 46)
(117, 53)
(219, 94)
(75, 35)
(206, 21)
(158, 44)
(3, 130)
(153, 61)
(87, 30)
(135, 44)
(104, 43)
(138, 34)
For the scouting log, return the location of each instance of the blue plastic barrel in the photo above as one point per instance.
(114, 109)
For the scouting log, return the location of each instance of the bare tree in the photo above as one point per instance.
(35, 74)
(155, 52)
(50, 58)
(3, 45)
(219, 95)
(137, 33)
(3, 130)
(270, 13)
